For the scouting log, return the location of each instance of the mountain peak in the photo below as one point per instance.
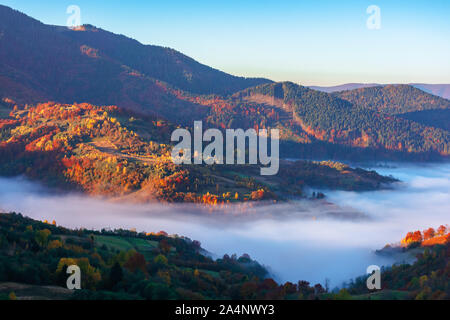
(57, 49)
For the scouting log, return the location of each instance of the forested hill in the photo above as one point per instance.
(162, 63)
(125, 264)
(426, 278)
(108, 151)
(394, 99)
(440, 90)
(329, 118)
(438, 118)
(40, 62)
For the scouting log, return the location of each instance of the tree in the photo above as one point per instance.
(441, 230)
(116, 274)
(160, 260)
(136, 262)
(41, 237)
(343, 295)
(428, 234)
(54, 244)
(318, 289)
(248, 290)
(164, 246)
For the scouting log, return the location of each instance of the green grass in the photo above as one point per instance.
(214, 274)
(124, 244)
(117, 243)
(142, 245)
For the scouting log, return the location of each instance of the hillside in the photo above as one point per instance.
(438, 118)
(125, 264)
(108, 151)
(328, 118)
(120, 264)
(343, 87)
(426, 278)
(161, 63)
(405, 101)
(393, 99)
(41, 63)
(440, 90)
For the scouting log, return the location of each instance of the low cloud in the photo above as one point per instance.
(308, 240)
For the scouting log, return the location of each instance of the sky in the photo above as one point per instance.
(322, 42)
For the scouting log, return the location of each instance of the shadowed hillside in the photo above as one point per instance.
(39, 63)
(331, 119)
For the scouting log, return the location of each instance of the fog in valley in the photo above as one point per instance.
(308, 240)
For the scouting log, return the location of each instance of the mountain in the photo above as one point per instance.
(343, 87)
(393, 99)
(405, 101)
(110, 152)
(40, 62)
(440, 90)
(344, 120)
(161, 63)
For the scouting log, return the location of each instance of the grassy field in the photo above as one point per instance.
(124, 244)
(214, 274)
(116, 243)
(143, 246)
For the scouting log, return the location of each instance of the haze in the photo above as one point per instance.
(305, 240)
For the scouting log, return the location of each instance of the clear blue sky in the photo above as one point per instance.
(309, 42)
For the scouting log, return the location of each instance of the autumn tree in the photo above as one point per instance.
(41, 237)
(136, 262)
(428, 234)
(441, 230)
(164, 246)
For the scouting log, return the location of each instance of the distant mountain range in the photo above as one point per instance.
(441, 90)
(40, 63)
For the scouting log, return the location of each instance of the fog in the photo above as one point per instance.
(303, 240)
